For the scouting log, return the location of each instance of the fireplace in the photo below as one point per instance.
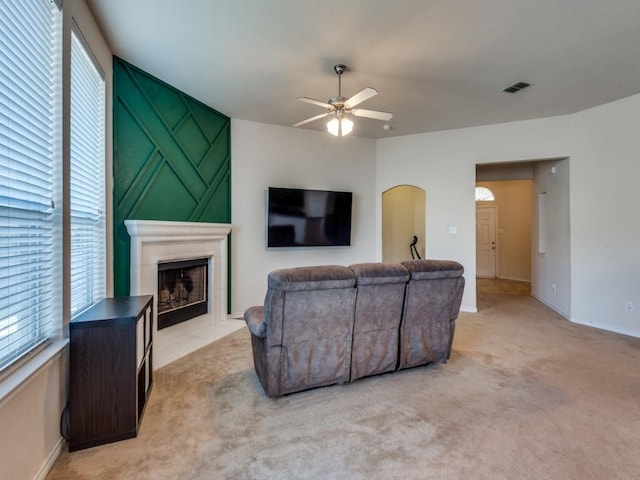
(182, 291)
(156, 245)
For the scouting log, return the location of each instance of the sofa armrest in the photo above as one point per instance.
(254, 316)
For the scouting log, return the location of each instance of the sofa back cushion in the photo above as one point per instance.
(433, 269)
(311, 278)
(380, 296)
(431, 304)
(309, 314)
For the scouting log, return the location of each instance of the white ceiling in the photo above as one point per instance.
(437, 64)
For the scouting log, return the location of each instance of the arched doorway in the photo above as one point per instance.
(403, 217)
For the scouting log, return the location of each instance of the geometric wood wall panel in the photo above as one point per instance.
(171, 159)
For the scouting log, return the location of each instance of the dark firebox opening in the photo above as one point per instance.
(182, 291)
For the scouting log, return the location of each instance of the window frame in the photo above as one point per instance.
(74, 15)
(98, 291)
(43, 326)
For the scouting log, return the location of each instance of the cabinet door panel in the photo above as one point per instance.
(102, 395)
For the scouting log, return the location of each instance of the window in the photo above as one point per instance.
(483, 194)
(28, 43)
(31, 269)
(87, 185)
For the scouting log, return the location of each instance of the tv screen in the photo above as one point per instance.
(308, 218)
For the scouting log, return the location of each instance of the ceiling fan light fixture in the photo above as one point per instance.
(333, 126)
(339, 108)
(347, 126)
(340, 126)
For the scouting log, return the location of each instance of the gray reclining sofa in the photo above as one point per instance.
(333, 324)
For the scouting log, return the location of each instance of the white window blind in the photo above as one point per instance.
(27, 82)
(87, 186)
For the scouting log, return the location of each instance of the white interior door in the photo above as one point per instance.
(486, 242)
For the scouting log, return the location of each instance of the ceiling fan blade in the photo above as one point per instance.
(309, 120)
(316, 102)
(360, 112)
(361, 96)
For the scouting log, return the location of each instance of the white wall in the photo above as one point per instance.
(266, 155)
(444, 164)
(30, 438)
(604, 151)
(605, 213)
(551, 265)
(30, 415)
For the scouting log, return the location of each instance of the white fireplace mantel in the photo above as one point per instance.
(156, 241)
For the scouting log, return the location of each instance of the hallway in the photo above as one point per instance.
(489, 290)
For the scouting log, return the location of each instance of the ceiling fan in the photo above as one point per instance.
(340, 108)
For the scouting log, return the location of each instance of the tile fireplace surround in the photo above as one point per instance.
(154, 242)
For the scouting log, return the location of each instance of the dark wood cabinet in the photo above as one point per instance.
(110, 370)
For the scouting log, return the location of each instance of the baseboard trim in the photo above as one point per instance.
(552, 307)
(51, 459)
(516, 279)
(469, 309)
(599, 326)
(608, 328)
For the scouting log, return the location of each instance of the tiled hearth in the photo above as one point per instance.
(154, 242)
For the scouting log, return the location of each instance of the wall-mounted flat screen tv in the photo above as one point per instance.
(308, 218)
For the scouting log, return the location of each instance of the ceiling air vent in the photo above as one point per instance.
(516, 87)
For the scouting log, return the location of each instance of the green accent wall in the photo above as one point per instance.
(171, 159)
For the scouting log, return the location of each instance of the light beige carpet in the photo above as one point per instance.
(526, 395)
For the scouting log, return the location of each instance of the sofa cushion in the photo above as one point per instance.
(311, 278)
(379, 273)
(432, 269)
